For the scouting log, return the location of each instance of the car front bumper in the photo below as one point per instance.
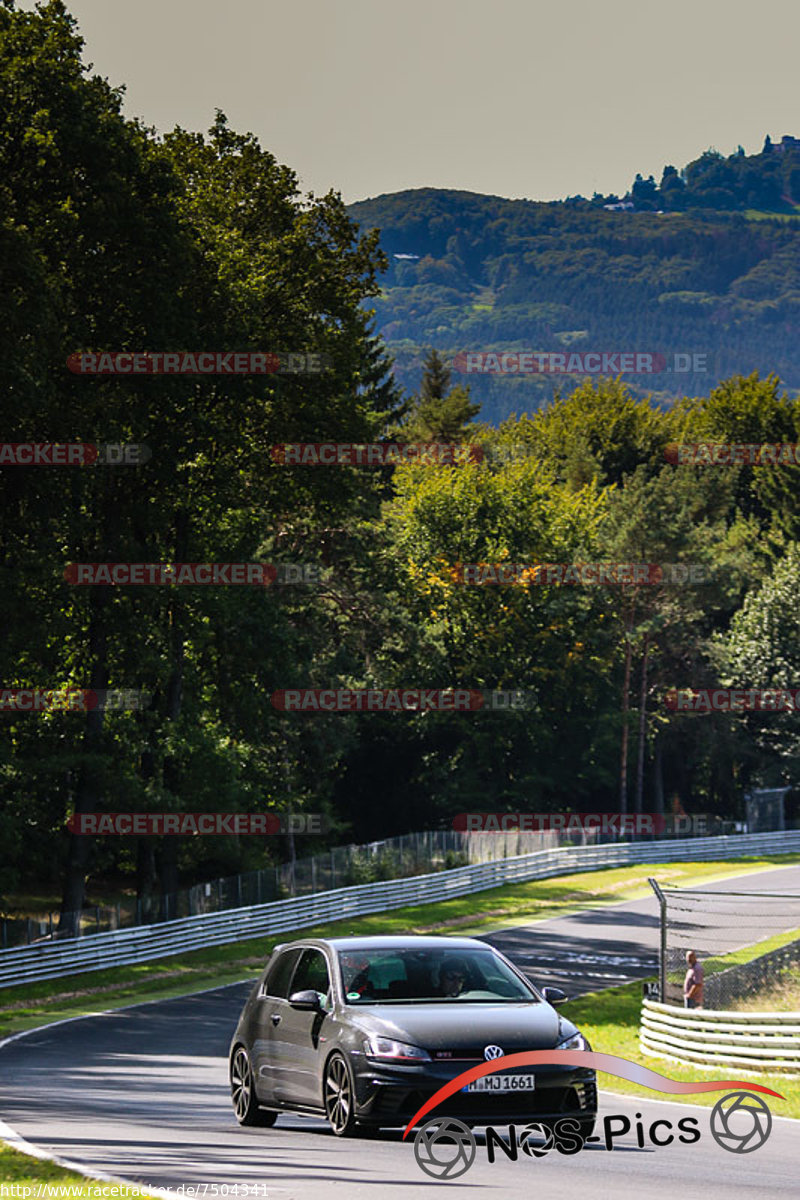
(389, 1095)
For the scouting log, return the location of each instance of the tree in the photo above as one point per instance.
(129, 241)
(762, 650)
(440, 413)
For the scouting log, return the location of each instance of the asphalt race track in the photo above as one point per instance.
(605, 947)
(142, 1094)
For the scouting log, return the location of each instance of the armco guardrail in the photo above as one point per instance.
(714, 1038)
(72, 956)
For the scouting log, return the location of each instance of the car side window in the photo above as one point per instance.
(278, 977)
(312, 972)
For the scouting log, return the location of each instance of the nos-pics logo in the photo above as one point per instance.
(446, 1148)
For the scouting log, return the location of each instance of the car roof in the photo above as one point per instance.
(392, 942)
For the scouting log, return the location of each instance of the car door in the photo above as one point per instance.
(300, 1038)
(270, 1009)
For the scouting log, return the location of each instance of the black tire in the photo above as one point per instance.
(243, 1093)
(338, 1094)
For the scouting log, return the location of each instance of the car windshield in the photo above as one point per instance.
(407, 976)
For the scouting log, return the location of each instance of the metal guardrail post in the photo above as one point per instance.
(662, 952)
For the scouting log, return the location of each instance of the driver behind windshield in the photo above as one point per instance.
(359, 983)
(453, 977)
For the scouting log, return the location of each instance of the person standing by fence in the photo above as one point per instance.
(693, 983)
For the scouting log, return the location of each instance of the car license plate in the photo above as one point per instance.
(502, 1083)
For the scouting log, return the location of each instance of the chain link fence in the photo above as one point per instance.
(342, 866)
(733, 935)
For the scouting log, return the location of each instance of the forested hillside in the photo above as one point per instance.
(716, 273)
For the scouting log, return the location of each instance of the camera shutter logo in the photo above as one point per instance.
(490, 1052)
(533, 1148)
(444, 1148)
(727, 1127)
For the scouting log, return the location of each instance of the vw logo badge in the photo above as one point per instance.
(738, 1135)
(490, 1052)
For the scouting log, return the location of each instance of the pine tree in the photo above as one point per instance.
(435, 377)
(439, 414)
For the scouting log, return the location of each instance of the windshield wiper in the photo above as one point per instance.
(449, 1000)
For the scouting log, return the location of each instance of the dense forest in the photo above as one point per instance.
(117, 238)
(706, 264)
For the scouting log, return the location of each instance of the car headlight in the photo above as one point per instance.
(388, 1048)
(575, 1041)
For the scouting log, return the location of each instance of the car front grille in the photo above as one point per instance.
(573, 1099)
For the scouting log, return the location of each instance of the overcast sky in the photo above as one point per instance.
(515, 98)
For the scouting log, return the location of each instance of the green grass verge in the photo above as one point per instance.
(610, 1020)
(35, 1173)
(32, 1005)
(782, 995)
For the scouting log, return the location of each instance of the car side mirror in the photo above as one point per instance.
(554, 995)
(307, 999)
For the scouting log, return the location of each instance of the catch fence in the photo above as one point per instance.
(69, 956)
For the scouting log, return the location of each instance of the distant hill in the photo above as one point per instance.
(708, 266)
(769, 181)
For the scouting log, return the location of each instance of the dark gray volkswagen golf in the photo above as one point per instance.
(363, 1030)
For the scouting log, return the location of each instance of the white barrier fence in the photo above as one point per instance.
(121, 947)
(750, 1042)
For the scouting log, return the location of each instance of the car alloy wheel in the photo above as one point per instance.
(339, 1097)
(243, 1095)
